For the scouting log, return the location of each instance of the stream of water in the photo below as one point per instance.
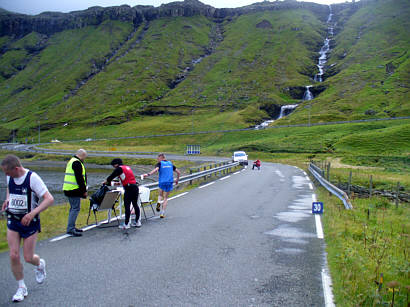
(323, 56)
(325, 48)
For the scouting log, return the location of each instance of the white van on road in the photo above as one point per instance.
(241, 157)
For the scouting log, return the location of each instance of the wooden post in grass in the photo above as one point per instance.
(328, 172)
(349, 184)
(397, 195)
(371, 186)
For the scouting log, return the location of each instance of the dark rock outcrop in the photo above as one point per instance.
(297, 92)
(264, 24)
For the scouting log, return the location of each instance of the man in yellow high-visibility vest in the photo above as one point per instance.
(75, 188)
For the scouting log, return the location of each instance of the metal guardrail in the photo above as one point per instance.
(154, 186)
(317, 173)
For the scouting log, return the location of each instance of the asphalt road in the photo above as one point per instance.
(247, 240)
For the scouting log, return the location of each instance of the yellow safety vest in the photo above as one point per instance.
(70, 183)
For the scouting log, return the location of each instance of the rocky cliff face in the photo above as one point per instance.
(18, 25)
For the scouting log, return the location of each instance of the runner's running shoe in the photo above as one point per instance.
(136, 224)
(124, 226)
(158, 207)
(20, 294)
(41, 271)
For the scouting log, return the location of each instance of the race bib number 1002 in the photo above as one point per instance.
(18, 203)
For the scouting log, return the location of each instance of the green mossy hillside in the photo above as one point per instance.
(241, 67)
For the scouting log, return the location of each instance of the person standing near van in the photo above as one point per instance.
(166, 179)
(75, 188)
(24, 190)
(131, 192)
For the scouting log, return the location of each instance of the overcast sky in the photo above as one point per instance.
(34, 7)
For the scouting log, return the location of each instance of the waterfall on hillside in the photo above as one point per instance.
(308, 94)
(287, 109)
(264, 124)
(323, 56)
(325, 48)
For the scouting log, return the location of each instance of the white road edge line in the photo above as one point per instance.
(236, 173)
(85, 229)
(179, 195)
(225, 177)
(319, 229)
(206, 185)
(60, 238)
(327, 290)
(310, 186)
(313, 197)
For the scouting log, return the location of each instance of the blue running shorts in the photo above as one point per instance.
(166, 186)
(24, 231)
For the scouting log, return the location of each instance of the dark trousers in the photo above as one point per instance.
(131, 196)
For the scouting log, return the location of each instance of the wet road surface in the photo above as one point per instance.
(246, 240)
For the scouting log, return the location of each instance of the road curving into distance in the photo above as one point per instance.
(247, 239)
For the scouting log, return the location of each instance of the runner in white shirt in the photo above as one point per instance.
(24, 190)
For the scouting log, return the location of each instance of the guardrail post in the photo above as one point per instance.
(349, 184)
(397, 195)
(190, 181)
(205, 175)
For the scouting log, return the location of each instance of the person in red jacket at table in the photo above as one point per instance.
(127, 178)
(257, 163)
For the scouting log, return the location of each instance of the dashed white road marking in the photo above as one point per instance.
(307, 178)
(203, 186)
(310, 186)
(313, 197)
(236, 173)
(225, 177)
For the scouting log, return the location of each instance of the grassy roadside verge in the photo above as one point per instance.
(363, 243)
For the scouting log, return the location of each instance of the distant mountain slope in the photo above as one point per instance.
(120, 64)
